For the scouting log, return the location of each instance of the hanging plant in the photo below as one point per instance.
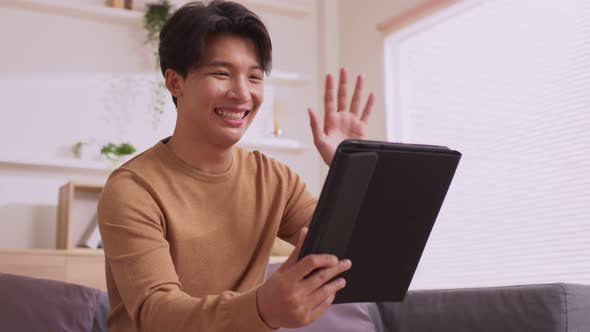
(156, 15)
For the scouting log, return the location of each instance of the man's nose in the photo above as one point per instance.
(239, 90)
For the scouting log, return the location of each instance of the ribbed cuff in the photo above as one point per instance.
(247, 317)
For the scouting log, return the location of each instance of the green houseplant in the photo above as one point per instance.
(114, 152)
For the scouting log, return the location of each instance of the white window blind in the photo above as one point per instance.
(507, 83)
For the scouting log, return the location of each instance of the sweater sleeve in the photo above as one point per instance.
(299, 208)
(134, 238)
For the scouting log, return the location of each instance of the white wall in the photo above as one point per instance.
(64, 78)
(57, 70)
(361, 48)
(51, 64)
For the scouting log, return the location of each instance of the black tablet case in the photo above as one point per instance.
(377, 208)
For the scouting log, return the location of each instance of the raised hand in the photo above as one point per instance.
(340, 123)
(291, 297)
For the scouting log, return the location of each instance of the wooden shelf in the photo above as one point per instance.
(276, 144)
(79, 266)
(291, 8)
(270, 143)
(118, 15)
(287, 77)
(74, 9)
(57, 163)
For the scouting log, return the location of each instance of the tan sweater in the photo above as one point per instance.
(186, 250)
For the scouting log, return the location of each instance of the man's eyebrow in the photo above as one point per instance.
(227, 64)
(218, 64)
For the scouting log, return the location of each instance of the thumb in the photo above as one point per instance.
(295, 254)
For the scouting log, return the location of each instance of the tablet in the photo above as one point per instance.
(377, 208)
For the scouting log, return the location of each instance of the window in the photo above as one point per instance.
(507, 83)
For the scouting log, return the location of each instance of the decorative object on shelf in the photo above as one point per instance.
(77, 149)
(75, 209)
(155, 17)
(91, 238)
(123, 4)
(116, 3)
(85, 150)
(114, 152)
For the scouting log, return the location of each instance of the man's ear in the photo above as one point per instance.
(174, 82)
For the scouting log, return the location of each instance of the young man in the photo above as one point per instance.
(188, 225)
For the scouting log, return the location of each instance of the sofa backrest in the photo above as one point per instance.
(539, 308)
(32, 304)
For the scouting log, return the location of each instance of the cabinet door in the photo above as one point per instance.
(86, 270)
(33, 265)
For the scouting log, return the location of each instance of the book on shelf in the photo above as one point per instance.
(91, 238)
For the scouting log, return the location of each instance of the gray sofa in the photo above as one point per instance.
(30, 304)
(538, 308)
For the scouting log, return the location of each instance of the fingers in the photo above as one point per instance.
(356, 97)
(368, 108)
(321, 277)
(295, 254)
(342, 89)
(311, 263)
(325, 295)
(320, 309)
(316, 130)
(329, 95)
(340, 105)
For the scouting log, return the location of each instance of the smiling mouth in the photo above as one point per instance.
(231, 115)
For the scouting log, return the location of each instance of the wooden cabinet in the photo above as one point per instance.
(79, 266)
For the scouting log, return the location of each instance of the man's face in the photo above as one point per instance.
(220, 97)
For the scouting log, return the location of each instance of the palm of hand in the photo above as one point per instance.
(339, 123)
(340, 126)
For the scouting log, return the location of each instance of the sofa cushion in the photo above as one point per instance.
(31, 304)
(540, 308)
(346, 317)
(352, 317)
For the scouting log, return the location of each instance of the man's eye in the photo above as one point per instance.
(220, 73)
(256, 77)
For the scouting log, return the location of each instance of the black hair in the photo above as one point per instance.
(183, 38)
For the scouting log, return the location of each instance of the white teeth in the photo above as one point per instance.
(230, 115)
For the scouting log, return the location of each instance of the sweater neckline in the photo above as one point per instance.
(169, 156)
